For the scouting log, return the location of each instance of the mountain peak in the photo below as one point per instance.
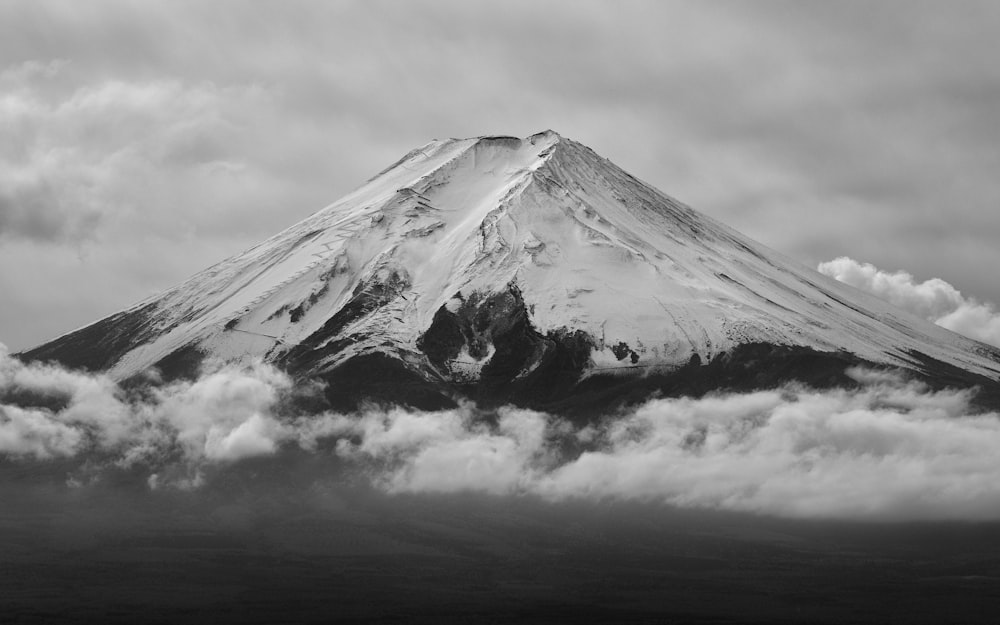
(507, 264)
(547, 134)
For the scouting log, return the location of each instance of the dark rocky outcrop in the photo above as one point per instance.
(99, 345)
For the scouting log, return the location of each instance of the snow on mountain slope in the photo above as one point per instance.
(433, 260)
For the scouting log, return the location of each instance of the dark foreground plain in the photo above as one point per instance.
(283, 542)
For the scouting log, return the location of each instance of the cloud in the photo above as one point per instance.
(74, 157)
(253, 437)
(449, 451)
(36, 434)
(891, 449)
(885, 452)
(226, 415)
(934, 299)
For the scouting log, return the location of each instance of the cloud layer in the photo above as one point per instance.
(891, 450)
(934, 299)
(50, 412)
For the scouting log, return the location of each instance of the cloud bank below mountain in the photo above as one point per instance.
(891, 449)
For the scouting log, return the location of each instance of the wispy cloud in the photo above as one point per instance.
(934, 299)
(73, 157)
(892, 449)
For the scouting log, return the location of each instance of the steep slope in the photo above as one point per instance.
(503, 267)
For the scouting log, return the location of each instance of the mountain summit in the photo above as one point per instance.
(516, 270)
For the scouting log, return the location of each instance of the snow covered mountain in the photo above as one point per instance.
(517, 270)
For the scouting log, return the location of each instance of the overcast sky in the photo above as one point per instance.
(141, 142)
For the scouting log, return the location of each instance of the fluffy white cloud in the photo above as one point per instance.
(451, 451)
(890, 450)
(883, 452)
(253, 437)
(934, 299)
(225, 415)
(34, 433)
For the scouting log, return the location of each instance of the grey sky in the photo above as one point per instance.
(143, 141)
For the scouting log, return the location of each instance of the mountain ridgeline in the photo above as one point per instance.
(526, 271)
